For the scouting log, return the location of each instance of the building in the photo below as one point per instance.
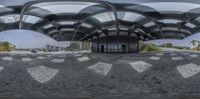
(69, 45)
(195, 45)
(85, 45)
(6, 46)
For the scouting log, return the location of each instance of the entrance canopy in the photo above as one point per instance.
(84, 20)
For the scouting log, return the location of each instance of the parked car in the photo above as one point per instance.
(34, 51)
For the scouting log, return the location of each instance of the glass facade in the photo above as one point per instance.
(114, 44)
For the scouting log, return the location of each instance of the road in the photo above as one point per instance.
(86, 75)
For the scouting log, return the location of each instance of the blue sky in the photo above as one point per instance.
(26, 38)
(185, 42)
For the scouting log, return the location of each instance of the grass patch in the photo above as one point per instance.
(150, 48)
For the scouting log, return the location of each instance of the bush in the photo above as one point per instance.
(45, 50)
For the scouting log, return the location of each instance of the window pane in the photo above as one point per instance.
(64, 7)
(10, 18)
(105, 17)
(131, 16)
(172, 6)
(170, 21)
(31, 19)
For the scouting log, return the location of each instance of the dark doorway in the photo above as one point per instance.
(123, 48)
(102, 48)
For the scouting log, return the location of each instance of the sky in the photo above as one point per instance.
(31, 39)
(26, 38)
(184, 43)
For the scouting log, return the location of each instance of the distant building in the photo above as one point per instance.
(194, 45)
(6, 46)
(69, 45)
(58, 46)
(85, 45)
(54, 48)
(80, 45)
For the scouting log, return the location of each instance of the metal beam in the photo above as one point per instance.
(110, 5)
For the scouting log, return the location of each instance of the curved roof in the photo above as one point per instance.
(83, 20)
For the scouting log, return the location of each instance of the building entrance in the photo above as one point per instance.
(102, 48)
(122, 44)
(123, 48)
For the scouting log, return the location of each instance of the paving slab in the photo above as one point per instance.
(26, 59)
(159, 54)
(1, 68)
(154, 58)
(62, 56)
(188, 70)
(12, 54)
(23, 55)
(7, 58)
(77, 55)
(186, 53)
(41, 57)
(42, 74)
(101, 68)
(194, 55)
(140, 66)
(49, 55)
(83, 59)
(173, 54)
(58, 60)
(177, 58)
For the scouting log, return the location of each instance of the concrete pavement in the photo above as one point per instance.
(110, 75)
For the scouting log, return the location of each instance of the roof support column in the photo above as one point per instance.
(25, 7)
(97, 43)
(112, 8)
(129, 41)
(106, 34)
(138, 46)
(92, 44)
